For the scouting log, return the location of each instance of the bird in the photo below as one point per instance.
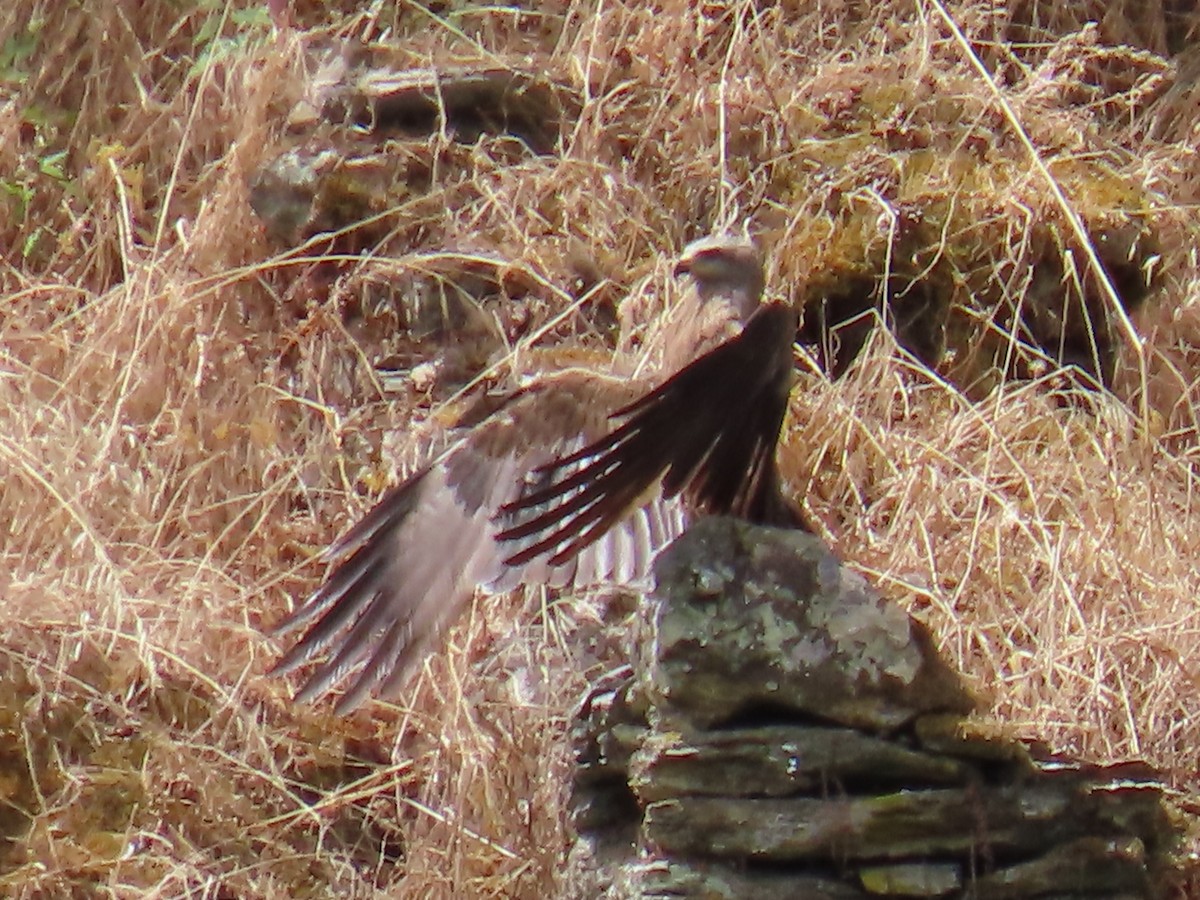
(577, 479)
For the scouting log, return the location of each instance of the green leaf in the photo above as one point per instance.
(20, 195)
(51, 165)
(31, 241)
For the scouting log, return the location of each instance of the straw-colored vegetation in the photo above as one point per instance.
(189, 408)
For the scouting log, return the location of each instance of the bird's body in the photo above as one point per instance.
(548, 490)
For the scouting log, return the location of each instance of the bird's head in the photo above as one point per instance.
(726, 267)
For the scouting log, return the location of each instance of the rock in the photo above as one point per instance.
(749, 620)
(670, 878)
(1010, 821)
(473, 100)
(1089, 865)
(786, 732)
(779, 761)
(912, 879)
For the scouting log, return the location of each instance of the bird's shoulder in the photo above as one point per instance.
(550, 413)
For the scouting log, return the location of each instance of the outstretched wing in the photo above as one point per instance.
(708, 433)
(405, 571)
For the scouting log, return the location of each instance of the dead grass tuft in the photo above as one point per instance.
(188, 413)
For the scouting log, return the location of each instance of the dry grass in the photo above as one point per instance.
(188, 414)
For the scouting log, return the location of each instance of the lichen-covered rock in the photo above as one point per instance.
(779, 761)
(912, 879)
(671, 878)
(748, 619)
(1013, 821)
(784, 732)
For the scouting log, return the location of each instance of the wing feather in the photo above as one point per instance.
(546, 491)
(406, 570)
(708, 432)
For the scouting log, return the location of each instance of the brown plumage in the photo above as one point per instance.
(579, 479)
